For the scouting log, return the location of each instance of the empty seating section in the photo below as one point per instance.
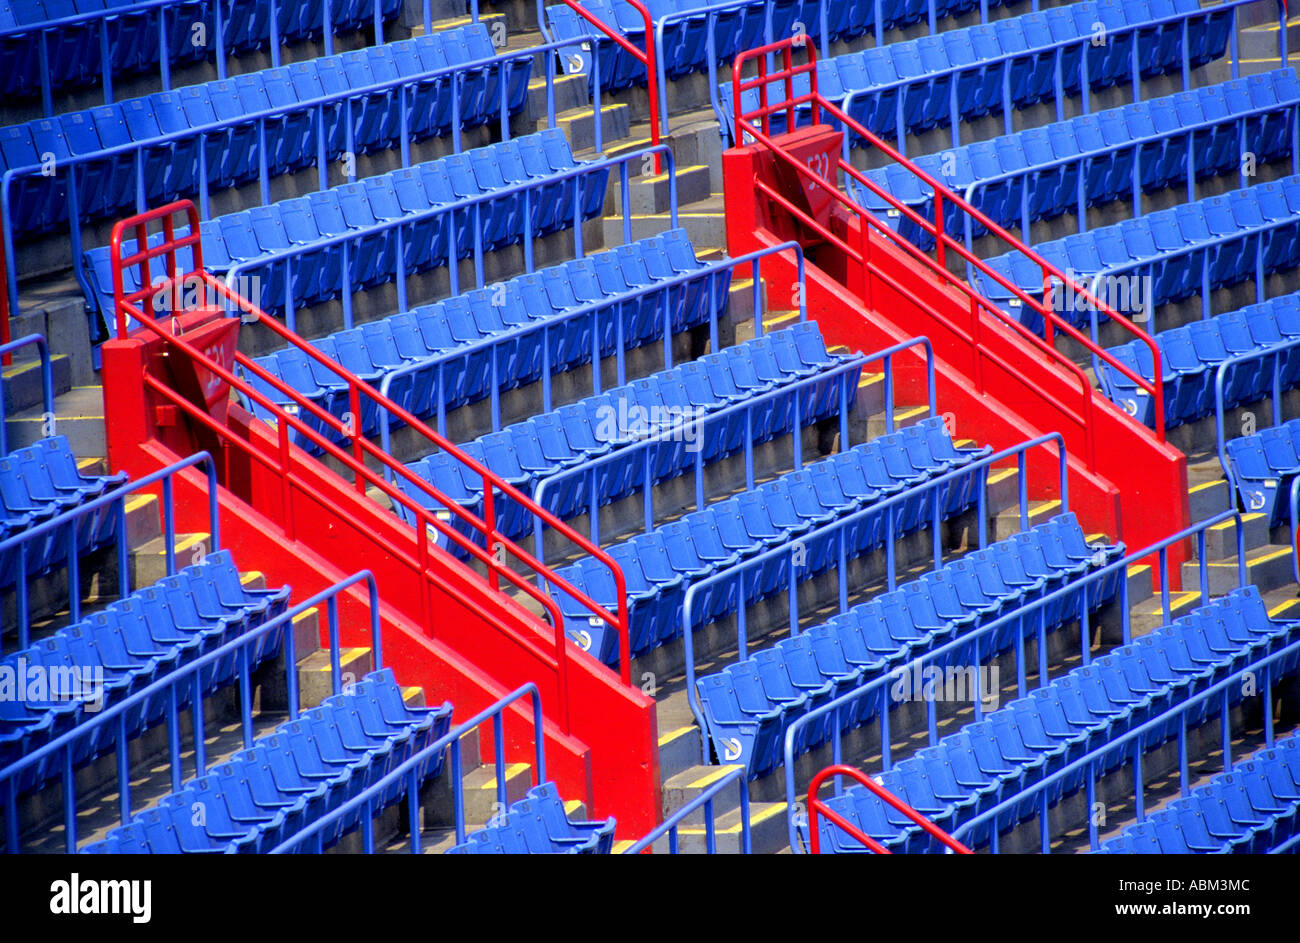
(538, 825)
(1214, 242)
(38, 483)
(133, 34)
(1012, 749)
(909, 85)
(1190, 356)
(528, 452)
(428, 240)
(750, 705)
(660, 565)
(1262, 466)
(128, 645)
(735, 29)
(308, 767)
(509, 312)
(1035, 174)
(199, 136)
(1252, 809)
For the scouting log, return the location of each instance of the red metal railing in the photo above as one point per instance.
(817, 807)
(496, 551)
(943, 197)
(646, 57)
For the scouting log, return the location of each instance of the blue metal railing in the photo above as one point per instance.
(170, 686)
(791, 549)
(367, 802)
(1261, 672)
(592, 311)
(705, 800)
(102, 18)
(472, 204)
(1025, 174)
(47, 385)
(1058, 49)
(694, 426)
(691, 428)
(1277, 353)
(1207, 249)
(116, 500)
(968, 643)
(317, 107)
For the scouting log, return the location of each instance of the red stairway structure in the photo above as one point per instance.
(460, 631)
(867, 287)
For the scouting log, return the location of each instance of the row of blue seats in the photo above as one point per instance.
(508, 312)
(660, 566)
(736, 29)
(1219, 233)
(749, 705)
(529, 452)
(359, 207)
(1190, 356)
(1263, 465)
(38, 483)
(122, 649)
(1018, 54)
(233, 154)
(1016, 747)
(1251, 809)
(1042, 188)
(538, 825)
(289, 779)
(133, 35)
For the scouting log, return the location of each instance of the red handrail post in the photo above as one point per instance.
(647, 57)
(816, 806)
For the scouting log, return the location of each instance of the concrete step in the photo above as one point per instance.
(1221, 538)
(149, 560)
(1207, 499)
(1008, 521)
(1268, 567)
(579, 126)
(650, 193)
(316, 674)
(679, 749)
(22, 386)
(706, 228)
(481, 802)
(766, 827)
(78, 414)
(691, 783)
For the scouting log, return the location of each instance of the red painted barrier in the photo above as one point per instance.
(867, 287)
(160, 393)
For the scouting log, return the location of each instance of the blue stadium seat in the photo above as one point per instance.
(1251, 809)
(318, 276)
(749, 705)
(288, 779)
(1024, 741)
(735, 529)
(1191, 354)
(538, 825)
(135, 641)
(39, 482)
